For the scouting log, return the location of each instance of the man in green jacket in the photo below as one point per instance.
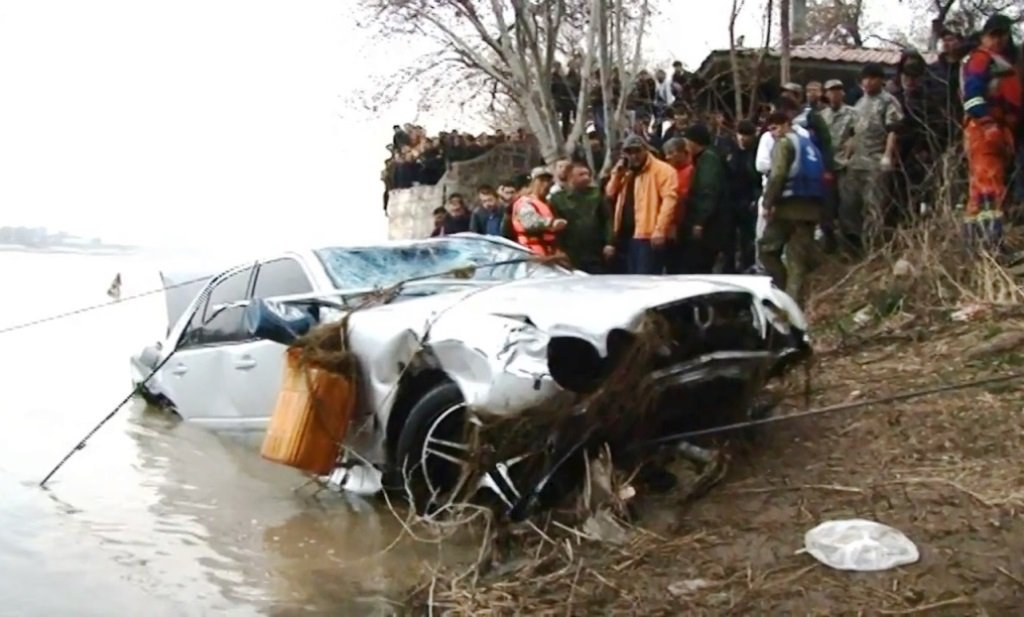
(588, 238)
(705, 226)
(793, 201)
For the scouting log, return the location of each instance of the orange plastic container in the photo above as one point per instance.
(311, 418)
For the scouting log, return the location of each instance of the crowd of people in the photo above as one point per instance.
(416, 159)
(697, 193)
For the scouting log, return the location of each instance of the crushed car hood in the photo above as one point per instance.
(586, 306)
(492, 339)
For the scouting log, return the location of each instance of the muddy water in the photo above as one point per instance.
(154, 513)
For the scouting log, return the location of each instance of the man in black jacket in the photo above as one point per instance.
(745, 185)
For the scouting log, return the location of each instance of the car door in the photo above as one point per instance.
(254, 367)
(191, 377)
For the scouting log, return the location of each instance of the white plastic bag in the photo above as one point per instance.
(859, 545)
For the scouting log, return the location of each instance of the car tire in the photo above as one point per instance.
(424, 478)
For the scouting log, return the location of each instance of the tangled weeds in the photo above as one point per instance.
(944, 470)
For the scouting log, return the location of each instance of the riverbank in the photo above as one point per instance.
(943, 469)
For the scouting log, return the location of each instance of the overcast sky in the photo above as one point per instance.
(217, 121)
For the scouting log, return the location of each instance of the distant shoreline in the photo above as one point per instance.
(100, 251)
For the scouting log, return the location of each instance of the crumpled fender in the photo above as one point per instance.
(500, 363)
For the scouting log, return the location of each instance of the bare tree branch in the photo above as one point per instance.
(513, 45)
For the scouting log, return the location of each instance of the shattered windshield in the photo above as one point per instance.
(383, 266)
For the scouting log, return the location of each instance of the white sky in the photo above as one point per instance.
(213, 122)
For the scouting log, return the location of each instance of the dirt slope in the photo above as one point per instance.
(946, 470)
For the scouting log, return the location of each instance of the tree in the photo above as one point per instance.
(835, 22)
(787, 40)
(734, 61)
(964, 16)
(509, 48)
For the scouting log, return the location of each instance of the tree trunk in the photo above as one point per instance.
(784, 26)
(798, 22)
(942, 8)
(734, 61)
(755, 83)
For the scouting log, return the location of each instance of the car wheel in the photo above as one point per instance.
(431, 458)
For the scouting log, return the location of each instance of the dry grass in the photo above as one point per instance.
(944, 469)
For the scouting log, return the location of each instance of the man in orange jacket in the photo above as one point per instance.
(645, 191)
(991, 92)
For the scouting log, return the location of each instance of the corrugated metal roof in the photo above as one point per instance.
(856, 55)
(826, 53)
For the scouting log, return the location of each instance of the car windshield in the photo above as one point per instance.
(383, 266)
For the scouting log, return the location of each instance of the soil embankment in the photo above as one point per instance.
(944, 469)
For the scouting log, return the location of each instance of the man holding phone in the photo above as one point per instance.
(644, 190)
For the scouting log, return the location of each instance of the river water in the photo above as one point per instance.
(155, 516)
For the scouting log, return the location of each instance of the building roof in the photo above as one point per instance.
(822, 53)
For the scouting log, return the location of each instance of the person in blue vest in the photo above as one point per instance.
(793, 201)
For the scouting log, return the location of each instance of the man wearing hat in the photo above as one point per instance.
(839, 117)
(705, 227)
(992, 100)
(644, 190)
(533, 221)
(871, 151)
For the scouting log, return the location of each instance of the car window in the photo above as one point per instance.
(211, 323)
(193, 333)
(281, 277)
(223, 325)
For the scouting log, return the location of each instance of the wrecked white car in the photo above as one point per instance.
(497, 377)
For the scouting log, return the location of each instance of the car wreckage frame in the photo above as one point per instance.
(690, 365)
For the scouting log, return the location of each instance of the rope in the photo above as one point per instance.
(558, 260)
(81, 443)
(86, 309)
(895, 398)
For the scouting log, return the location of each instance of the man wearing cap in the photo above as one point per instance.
(871, 151)
(533, 221)
(645, 191)
(792, 200)
(703, 233)
(839, 117)
(992, 100)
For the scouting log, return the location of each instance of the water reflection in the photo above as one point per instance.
(154, 512)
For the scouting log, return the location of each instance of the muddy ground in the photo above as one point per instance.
(945, 469)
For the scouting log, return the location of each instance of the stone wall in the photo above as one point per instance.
(409, 210)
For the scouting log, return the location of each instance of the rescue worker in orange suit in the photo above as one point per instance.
(991, 93)
(533, 221)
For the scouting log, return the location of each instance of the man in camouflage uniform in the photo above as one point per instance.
(839, 117)
(870, 152)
